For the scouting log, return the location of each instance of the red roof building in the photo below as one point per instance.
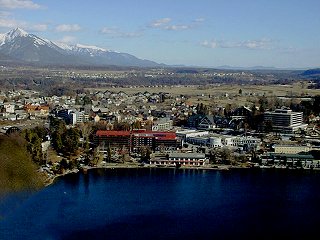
(134, 140)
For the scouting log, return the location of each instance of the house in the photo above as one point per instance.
(37, 110)
(162, 124)
(207, 123)
(194, 120)
(242, 112)
(9, 107)
(96, 118)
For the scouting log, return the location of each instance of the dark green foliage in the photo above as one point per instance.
(41, 132)
(64, 140)
(64, 164)
(145, 152)
(17, 171)
(57, 128)
(57, 125)
(121, 126)
(268, 126)
(71, 140)
(136, 125)
(263, 101)
(316, 104)
(86, 100)
(202, 109)
(34, 142)
(57, 141)
(109, 154)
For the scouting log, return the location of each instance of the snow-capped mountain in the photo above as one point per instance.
(22, 46)
(81, 49)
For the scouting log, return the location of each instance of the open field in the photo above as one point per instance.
(296, 89)
(223, 94)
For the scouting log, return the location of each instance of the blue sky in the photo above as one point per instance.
(279, 33)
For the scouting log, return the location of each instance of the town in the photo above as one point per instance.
(165, 127)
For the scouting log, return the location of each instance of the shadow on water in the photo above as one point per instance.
(161, 226)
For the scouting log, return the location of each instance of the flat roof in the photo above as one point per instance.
(112, 133)
(186, 155)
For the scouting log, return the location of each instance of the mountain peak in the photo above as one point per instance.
(17, 32)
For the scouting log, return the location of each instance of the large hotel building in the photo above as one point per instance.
(285, 121)
(132, 141)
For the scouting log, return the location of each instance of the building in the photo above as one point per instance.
(37, 110)
(140, 139)
(198, 140)
(181, 159)
(290, 160)
(285, 121)
(64, 114)
(186, 134)
(166, 141)
(9, 107)
(162, 124)
(113, 139)
(247, 143)
(78, 117)
(241, 113)
(220, 140)
(194, 120)
(132, 141)
(291, 149)
(207, 123)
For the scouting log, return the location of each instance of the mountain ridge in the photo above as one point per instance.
(19, 45)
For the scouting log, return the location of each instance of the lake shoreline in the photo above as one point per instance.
(210, 167)
(84, 169)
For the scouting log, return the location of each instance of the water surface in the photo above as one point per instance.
(168, 204)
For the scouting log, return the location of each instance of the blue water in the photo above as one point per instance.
(168, 204)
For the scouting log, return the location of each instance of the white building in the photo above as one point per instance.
(78, 117)
(250, 142)
(218, 141)
(163, 124)
(9, 107)
(285, 121)
(190, 133)
(291, 149)
(181, 159)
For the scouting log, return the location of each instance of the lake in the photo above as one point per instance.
(168, 204)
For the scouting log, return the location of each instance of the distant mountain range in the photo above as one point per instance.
(226, 67)
(312, 72)
(18, 46)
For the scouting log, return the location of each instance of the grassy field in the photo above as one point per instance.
(225, 94)
(295, 89)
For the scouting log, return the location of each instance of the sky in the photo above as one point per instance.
(207, 33)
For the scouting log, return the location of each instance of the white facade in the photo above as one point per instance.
(218, 141)
(215, 142)
(241, 141)
(185, 134)
(291, 149)
(9, 107)
(284, 120)
(78, 117)
(162, 125)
